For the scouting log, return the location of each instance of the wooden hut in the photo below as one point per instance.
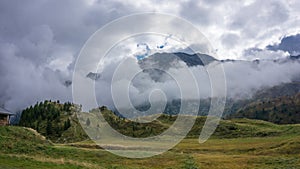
(5, 117)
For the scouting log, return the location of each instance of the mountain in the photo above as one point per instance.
(238, 108)
(93, 76)
(278, 104)
(284, 89)
(167, 60)
(280, 110)
(157, 63)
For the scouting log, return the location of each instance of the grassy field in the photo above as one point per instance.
(24, 148)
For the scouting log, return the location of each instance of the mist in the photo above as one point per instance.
(243, 79)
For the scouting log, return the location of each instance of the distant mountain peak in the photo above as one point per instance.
(167, 60)
(93, 76)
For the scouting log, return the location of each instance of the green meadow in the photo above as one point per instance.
(241, 143)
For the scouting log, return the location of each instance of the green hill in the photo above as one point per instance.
(234, 128)
(21, 140)
(56, 121)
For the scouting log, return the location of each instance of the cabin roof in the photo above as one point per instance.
(6, 112)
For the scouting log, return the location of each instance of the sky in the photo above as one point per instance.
(40, 40)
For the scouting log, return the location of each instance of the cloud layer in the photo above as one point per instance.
(40, 40)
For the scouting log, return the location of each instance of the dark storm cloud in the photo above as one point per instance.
(289, 44)
(72, 23)
(39, 41)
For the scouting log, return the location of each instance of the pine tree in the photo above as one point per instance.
(49, 128)
(67, 124)
(88, 122)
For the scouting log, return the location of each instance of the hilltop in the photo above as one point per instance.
(54, 120)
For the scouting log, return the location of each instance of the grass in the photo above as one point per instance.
(240, 143)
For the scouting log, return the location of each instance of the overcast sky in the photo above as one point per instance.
(40, 39)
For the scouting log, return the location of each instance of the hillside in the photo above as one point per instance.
(284, 89)
(234, 128)
(21, 140)
(280, 110)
